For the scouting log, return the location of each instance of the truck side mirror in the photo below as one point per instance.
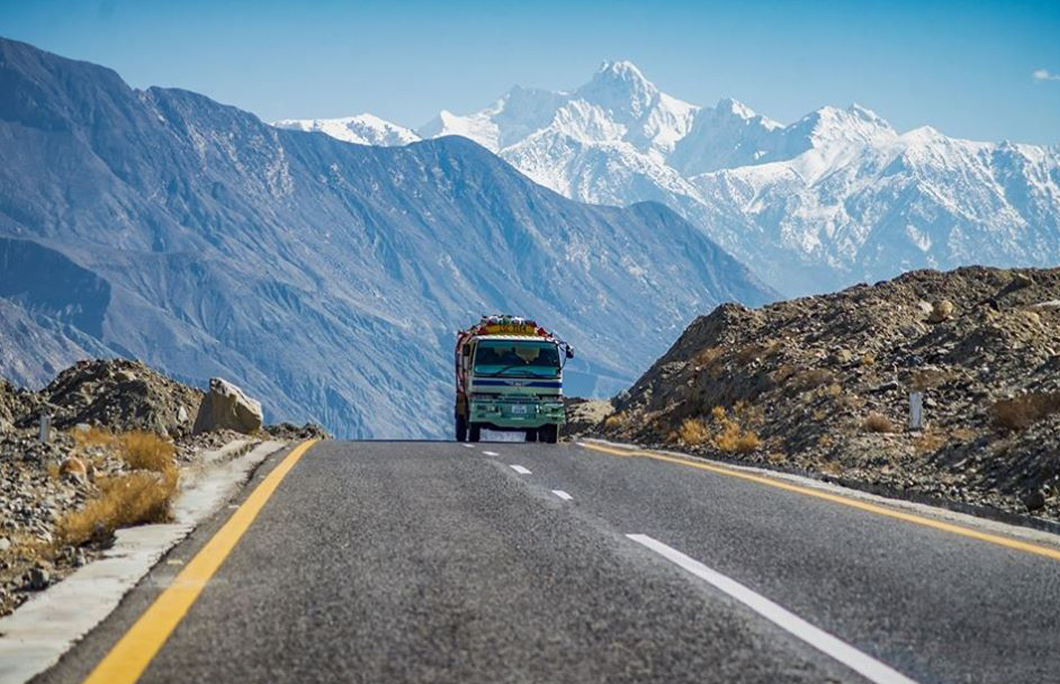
(570, 353)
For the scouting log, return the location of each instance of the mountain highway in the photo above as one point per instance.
(511, 562)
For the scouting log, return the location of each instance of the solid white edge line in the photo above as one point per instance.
(491, 453)
(562, 494)
(519, 469)
(863, 664)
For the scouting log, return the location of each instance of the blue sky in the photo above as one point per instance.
(966, 68)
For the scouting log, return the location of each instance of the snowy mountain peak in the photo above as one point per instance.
(621, 88)
(363, 129)
(728, 105)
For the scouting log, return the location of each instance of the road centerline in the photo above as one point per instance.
(838, 650)
(135, 650)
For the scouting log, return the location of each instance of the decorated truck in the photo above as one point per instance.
(509, 377)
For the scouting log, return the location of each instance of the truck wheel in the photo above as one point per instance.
(531, 435)
(461, 429)
(549, 434)
(475, 432)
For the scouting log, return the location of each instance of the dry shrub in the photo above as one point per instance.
(753, 352)
(93, 437)
(877, 422)
(812, 378)
(707, 356)
(747, 442)
(833, 390)
(136, 498)
(783, 373)
(147, 451)
(132, 499)
(868, 359)
(926, 379)
(929, 442)
(731, 433)
(694, 432)
(1022, 412)
(616, 420)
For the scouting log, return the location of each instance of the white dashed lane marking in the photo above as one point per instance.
(519, 469)
(469, 446)
(562, 494)
(491, 453)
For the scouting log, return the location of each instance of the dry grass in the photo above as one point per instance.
(929, 442)
(135, 498)
(926, 379)
(813, 378)
(753, 352)
(707, 356)
(147, 451)
(877, 422)
(132, 499)
(616, 420)
(1022, 412)
(93, 437)
(723, 431)
(694, 432)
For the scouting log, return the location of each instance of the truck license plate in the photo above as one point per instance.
(519, 409)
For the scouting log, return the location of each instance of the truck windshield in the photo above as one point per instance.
(517, 358)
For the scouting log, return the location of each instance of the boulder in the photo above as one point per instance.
(941, 311)
(74, 468)
(227, 407)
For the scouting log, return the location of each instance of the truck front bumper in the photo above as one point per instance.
(516, 415)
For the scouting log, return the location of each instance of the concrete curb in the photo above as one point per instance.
(40, 631)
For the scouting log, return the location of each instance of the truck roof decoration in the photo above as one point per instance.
(509, 325)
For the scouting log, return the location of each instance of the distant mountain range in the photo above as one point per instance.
(835, 198)
(326, 278)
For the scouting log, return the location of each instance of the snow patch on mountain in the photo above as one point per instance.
(363, 129)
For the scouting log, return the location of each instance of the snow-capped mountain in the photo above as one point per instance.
(837, 197)
(363, 129)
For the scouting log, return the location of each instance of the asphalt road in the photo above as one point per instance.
(440, 562)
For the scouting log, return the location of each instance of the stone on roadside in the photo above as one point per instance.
(74, 468)
(941, 311)
(227, 407)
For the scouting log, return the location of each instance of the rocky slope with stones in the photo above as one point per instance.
(822, 384)
(43, 482)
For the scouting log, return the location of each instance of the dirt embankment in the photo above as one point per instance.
(822, 384)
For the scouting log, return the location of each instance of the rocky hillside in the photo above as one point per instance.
(821, 384)
(325, 277)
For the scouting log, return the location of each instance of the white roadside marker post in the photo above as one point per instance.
(916, 410)
(45, 427)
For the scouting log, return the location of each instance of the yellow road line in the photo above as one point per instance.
(1007, 542)
(130, 656)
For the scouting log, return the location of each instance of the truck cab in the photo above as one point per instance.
(509, 377)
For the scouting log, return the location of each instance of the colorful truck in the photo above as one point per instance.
(509, 377)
